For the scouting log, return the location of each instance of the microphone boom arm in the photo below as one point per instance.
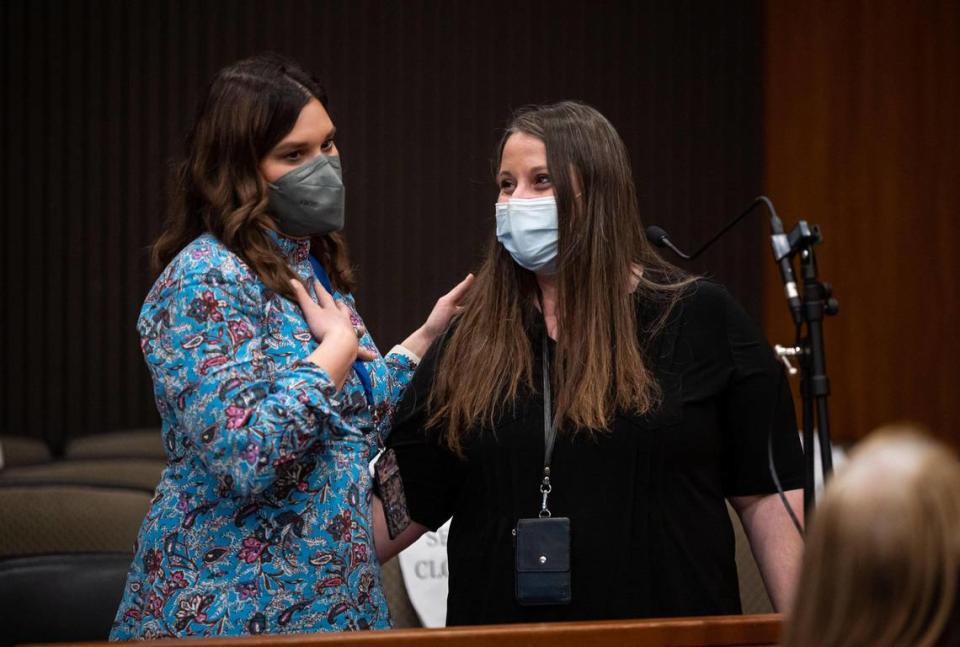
(809, 310)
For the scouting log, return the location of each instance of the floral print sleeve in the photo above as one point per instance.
(392, 374)
(401, 364)
(240, 413)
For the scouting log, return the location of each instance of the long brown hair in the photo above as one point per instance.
(249, 107)
(599, 363)
(882, 559)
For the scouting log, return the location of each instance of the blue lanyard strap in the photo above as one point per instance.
(359, 367)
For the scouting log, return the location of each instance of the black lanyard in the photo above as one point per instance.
(549, 430)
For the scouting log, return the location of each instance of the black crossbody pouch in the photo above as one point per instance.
(543, 561)
(542, 544)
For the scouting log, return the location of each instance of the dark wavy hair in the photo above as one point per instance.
(249, 107)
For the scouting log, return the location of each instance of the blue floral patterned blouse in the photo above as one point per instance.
(261, 521)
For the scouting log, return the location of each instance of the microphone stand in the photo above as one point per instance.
(816, 302)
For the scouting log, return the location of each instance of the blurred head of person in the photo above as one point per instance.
(882, 560)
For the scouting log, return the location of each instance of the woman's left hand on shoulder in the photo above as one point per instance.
(438, 319)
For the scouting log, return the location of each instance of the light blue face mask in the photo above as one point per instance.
(528, 229)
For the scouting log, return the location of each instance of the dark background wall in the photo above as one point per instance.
(97, 97)
(862, 113)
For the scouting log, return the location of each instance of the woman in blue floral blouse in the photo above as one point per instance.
(272, 395)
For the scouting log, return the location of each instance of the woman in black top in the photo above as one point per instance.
(663, 394)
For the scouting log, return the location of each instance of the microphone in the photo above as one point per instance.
(658, 236)
(781, 249)
(781, 254)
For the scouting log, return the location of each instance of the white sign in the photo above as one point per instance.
(425, 574)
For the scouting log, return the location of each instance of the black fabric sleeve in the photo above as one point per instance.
(756, 404)
(431, 474)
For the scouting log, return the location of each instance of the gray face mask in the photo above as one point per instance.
(308, 200)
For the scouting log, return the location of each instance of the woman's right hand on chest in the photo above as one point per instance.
(330, 324)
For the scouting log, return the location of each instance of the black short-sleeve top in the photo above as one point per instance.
(650, 532)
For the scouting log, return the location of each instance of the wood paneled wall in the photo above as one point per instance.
(862, 116)
(97, 95)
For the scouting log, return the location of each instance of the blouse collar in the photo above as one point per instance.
(293, 250)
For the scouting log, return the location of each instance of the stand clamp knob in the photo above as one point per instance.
(784, 353)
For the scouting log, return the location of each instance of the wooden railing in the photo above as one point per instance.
(715, 631)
